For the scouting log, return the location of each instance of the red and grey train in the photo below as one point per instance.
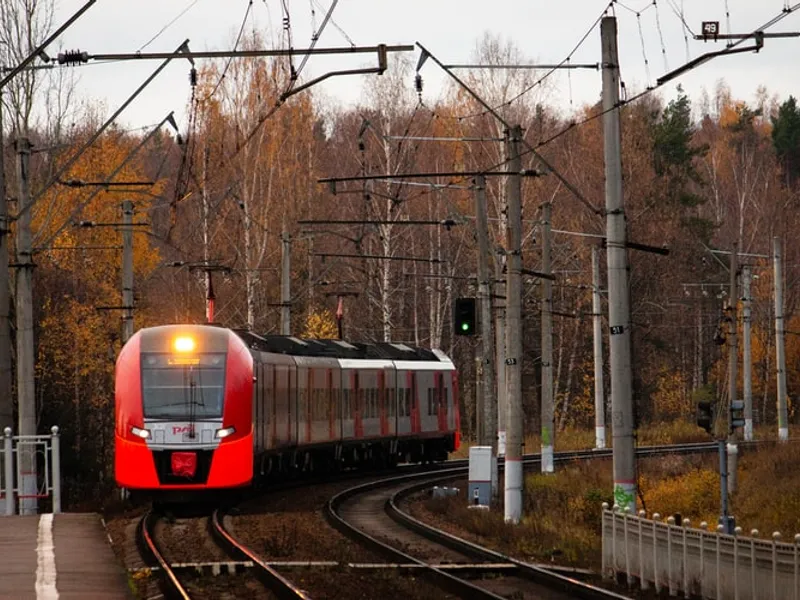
(201, 407)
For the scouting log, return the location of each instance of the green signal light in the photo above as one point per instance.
(465, 327)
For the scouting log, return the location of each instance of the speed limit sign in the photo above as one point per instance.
(710, 28)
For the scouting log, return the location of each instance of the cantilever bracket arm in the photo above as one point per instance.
(703, 58)
(382, 66)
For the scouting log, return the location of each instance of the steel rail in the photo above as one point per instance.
(446, 581)
(172, 588)
(536, 574)
(539, 575)
(274, 581)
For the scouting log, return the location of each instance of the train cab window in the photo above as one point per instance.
(183, 387)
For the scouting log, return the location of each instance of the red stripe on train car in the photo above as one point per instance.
(382, 402)
(331, 404)
(441, 412)
(309, 401)
(356, 393)
(457, 409)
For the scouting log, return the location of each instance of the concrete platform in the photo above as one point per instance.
(59, 557)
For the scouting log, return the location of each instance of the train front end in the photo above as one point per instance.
(183, 396)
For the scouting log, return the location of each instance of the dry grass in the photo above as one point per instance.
(562, 511)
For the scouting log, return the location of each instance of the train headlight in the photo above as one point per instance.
(142, 433)
(223, 433)
(183, 343)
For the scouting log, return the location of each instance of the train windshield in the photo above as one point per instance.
(183, 387)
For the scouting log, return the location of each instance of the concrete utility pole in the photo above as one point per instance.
(780, 333)
(733, 366)
(747, 363)
(488, 396)
(597, 322)
(286, 294)
(127, 270)
(548, 402)
(514, 414)
(6, 400)
(26, 393)
(619, 321)
(500, 352)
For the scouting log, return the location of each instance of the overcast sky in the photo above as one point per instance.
(545, 31)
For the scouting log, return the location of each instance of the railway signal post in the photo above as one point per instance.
(488, 396)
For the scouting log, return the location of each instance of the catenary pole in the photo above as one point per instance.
(500, 353)
(619, 321)
(514, 415)
(286, 294)
(488, 395)
(780, 333)
(747, 358)
(26, 393)
(127, 270)
(597, 323)
(6, 399)
(733, 365)
(548, 402)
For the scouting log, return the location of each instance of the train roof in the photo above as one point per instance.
(283, 344)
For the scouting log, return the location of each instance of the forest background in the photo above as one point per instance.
(231, 188)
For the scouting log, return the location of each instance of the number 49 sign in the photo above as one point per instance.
(710, 29)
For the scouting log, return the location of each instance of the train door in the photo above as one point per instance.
(357, 392)
(402, 402)
(385, 389)
(269, 389)
(303, 394)
(330, 403)
(348, 424)
(414, 382)
(282, 406)
(390, 399)
(441, 399)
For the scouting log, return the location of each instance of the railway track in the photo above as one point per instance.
(365, 513)
(184, 580)
(370, 514)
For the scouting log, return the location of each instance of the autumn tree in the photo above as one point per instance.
(786, 138)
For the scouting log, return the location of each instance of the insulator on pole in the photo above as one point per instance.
(72, 57)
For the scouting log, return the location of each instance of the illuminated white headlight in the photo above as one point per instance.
(223, 433)
(142, 433)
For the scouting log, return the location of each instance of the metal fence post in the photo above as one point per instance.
(796, 580)
(55, 449)
(753, 536)
(720, 529)
(656, 584)
(8, 454)
(703, 526)
(604, 562)
(776, 535)
(736, 532)
(642, 577)
(686, 523)
(628, 578)
(614, 510)
(670, 576)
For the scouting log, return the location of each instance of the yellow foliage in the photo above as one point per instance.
(321, 325)
(693, 494)
(670, 399)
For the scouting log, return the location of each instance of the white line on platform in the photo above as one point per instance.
(46, 560)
